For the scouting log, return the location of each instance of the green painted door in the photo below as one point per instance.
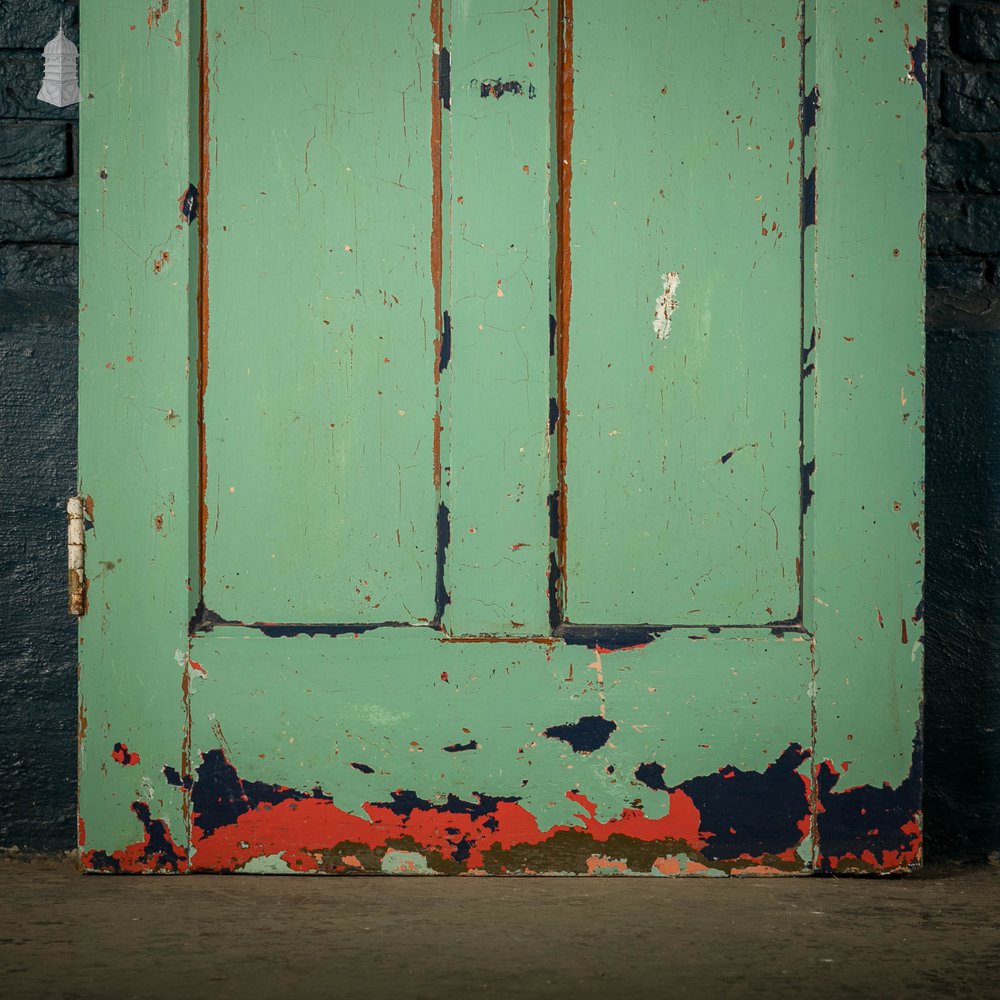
(501, 430)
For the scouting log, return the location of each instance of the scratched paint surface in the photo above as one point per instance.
(484, 731)
(683, 452)
(516, 756)
(498, 247)
(137, 425)
(319, 401)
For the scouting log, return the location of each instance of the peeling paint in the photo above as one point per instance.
(156, 852)
(124, 756)
(76, 550)
(665, 305)
(589, 733)
(917, 70)
(869, 828)
(188, 203)
(728, 821)
(497, 88)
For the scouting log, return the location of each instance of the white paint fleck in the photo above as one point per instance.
(665, 305)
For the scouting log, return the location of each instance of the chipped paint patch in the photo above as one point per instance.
(124, 756)
(665, 305)
(717, 823)
(866, 827)
(405, 863)
(271, 864)
(588, 734)
(156, 852)
(188, 204)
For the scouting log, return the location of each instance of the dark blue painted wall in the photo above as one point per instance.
(38, 433)
(37, 436)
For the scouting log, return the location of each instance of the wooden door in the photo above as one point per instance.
(501, 430)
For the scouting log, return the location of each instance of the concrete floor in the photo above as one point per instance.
(67, 935)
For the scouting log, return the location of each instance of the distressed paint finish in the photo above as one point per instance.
(138, 277)
(483, 730)
(866, 603)
(511, 757)
(323, 211)
(496, 463)
(682, 471)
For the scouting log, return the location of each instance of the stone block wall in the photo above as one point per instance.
(38, 334)
(962, 677)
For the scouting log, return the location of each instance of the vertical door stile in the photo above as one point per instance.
(497, 468)
(867, 504)
(138, 432)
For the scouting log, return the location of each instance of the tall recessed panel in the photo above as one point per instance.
(320, 386)
(683, 394)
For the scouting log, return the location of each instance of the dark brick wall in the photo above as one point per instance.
(37, 435)
(37, 424)
(962, 680)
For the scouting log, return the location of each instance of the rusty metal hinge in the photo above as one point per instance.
(75, 513)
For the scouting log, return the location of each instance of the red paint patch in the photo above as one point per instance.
(303, 829)
(124, 756)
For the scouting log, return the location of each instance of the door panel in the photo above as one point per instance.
(683, 416)
(414, 646)
(319, 402)
(408, 751)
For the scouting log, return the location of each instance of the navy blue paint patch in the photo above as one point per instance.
(363, 768)
(290, 631)
(101, 861)
(751, 812)
(445, 341)
(405, 803)
(219, 796)
(189, 204)
(460, 747)
(553, 502)
(441, 596)
(554, 592)
(866, 817)
(809, 199)
(918, 64)
(585, 736)
(651, 774)
(159, 850)
(444, 84)
(174, 778)
(807, 492)
(609, 637)
(810, 107)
